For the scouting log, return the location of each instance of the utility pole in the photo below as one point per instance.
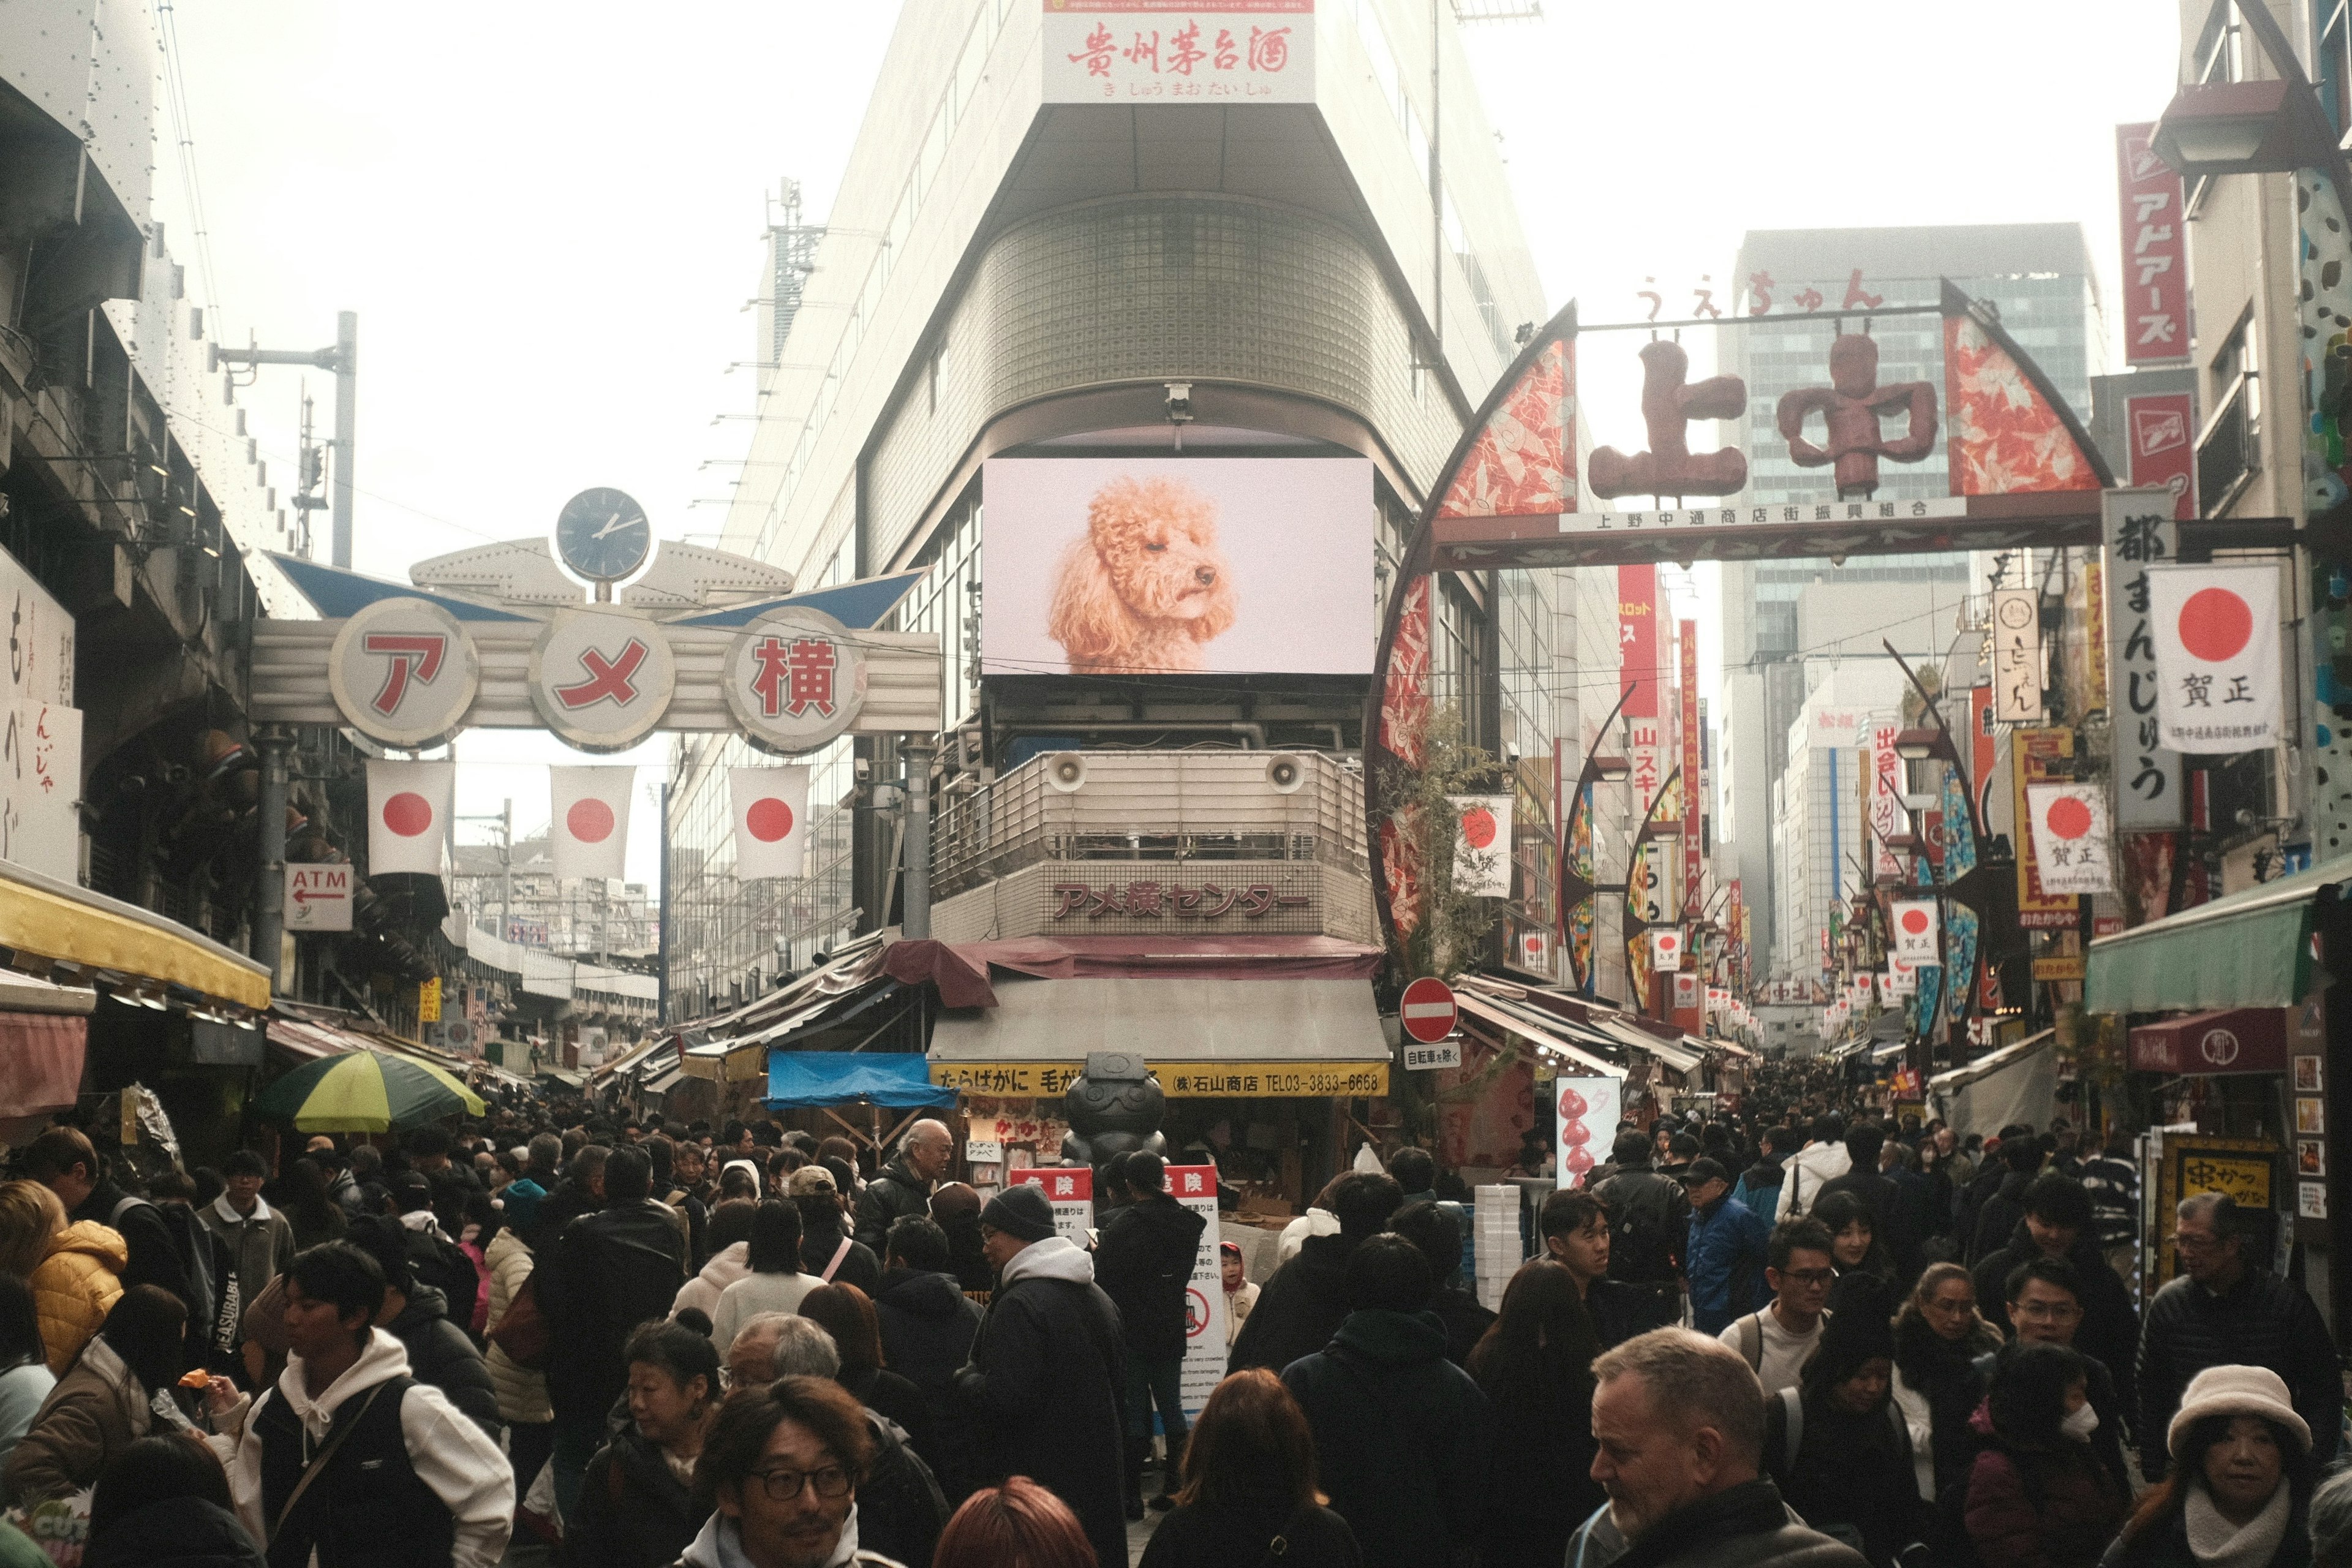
(269, 902)
(917, 921)
(344, 359)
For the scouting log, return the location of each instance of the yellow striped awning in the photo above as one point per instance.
(68, 924)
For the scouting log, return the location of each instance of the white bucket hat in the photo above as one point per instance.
(2236, 1391)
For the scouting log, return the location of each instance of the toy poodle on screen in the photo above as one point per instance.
(1147, 586)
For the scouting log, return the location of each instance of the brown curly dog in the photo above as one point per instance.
(1147, 586)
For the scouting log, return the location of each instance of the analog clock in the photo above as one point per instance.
(602, 535)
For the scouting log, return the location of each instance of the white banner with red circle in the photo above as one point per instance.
(2070, 837)
(1913, 924)
(771, 820)
(408, 816)
(589, 826)
(2217, 656)
(1481, 844)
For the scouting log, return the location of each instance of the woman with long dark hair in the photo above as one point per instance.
(2239, 1493)
(1855, 1246)
(2038, 1497)
(1535, 1363)
(847, 1314)
(24, 1376)
(775, 1283)
(1249, 1493)
(102, 1404)
(314, 1215)
(1839, 1452)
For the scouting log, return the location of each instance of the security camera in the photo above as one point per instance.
(865, 769)
(1179, 402)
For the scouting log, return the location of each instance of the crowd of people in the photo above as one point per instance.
(1774, 1339)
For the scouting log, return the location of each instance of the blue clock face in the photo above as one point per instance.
(602, 535)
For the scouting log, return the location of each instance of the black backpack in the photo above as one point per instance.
(1649, 1223)
(207, 1272)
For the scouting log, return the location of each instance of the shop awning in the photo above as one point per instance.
(2016, 1083)
(1203, 1037)
(1552, 1034)
(2236, 1040)
(40, 1061)
(1673, 1055)
(2251, 948)
(68, 924)
(806, 1080)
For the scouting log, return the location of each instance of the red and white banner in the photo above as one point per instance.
(2155, 252)
(1915, 923)
(589, 830)
(2217, 656)
(1887, 813)
(1665, 950)
(2070, 837)
(1195, 1187)
(1070, 1191)
(771, 820)
(1481, 844)
(1902, 976)
(1693, 782)
(408, 816)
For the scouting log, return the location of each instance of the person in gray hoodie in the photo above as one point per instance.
(1043, 1383)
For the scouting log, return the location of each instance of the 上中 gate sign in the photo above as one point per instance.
(601, 680)
(1428, 1010)
(794, 679)
(2217, 656)
(404, 671)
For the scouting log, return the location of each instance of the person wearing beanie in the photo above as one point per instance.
(2240, 1492)
(1836, 1443)
(1043, 1383)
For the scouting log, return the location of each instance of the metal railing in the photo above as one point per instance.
(1151, 805)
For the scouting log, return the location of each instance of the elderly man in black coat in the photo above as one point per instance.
(1046, 1369)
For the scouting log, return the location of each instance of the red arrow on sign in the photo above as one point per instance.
(304, 895)
(1428, 1010)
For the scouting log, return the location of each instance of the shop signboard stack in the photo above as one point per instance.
(1499, 1252)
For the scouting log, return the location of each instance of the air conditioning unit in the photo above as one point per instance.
(1286, 774)
(1066, 772)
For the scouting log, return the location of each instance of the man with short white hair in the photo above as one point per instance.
(904, 1186)
(771, 1345)
(1678, 1421)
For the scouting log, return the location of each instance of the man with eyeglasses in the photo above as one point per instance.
(2223, 1309)
(781, 1469)
(1778, 1341)
(2058, 1223)
(2044, 1299)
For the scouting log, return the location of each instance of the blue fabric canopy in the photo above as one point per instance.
(799, 1079)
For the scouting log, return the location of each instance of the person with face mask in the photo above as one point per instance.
(2037, 1496)
(2240, 1492)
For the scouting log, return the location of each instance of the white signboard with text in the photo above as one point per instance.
(1195, 1187)
(318, 897)
(1176, 52)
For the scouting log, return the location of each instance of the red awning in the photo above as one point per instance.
(960, 969)
(2240, 1040)
(40, 1061)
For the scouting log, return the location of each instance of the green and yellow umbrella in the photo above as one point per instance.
(365, 1091)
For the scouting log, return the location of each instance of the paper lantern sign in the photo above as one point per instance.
(404, 672)
(2217, 656)
(795, 678)
(408, 816)
(589, 824)
(1915, 925)
(601, 680)
(771, 820)
(2070, 837)
(1665, 949)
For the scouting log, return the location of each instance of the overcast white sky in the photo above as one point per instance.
(548, 216)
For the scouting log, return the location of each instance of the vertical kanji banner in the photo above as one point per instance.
(1693, 904)
(2140, 530)
(2070, 837)
(2155, 233)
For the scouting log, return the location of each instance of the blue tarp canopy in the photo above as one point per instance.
(799, 1079)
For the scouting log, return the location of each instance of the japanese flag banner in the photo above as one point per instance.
(1666, 949)
(1481, 844)
(771, 820)
(1914, 926)
(2070, 837)
(2217, 656)
(408, 816)
(589, 829)
(1902, 976)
